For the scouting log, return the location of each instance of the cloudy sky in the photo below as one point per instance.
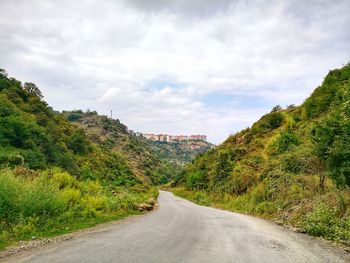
(182, 67)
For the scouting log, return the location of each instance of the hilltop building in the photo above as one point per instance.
(172, 138)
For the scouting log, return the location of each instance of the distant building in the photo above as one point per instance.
(163, 137)
(172, 138)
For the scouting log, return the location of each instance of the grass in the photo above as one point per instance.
(57, 229)
(44, 204)
(305, 210)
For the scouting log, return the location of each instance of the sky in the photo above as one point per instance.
(208, 67)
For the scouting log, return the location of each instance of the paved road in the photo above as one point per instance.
(180, 231)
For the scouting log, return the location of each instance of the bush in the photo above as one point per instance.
(195, 180)
(10, 189)
(268, 122)
(70, 196)
(41, 199)
(26, 227)
(242, 178)
(298, 161)
(78, 142)
(74, 116)
(24, 198)
(320, 222)
(286, 140)
(10, 157)
(260, 193)
(94, 205)
(63, 179)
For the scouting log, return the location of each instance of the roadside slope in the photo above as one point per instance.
(291, 166)
(53, 177)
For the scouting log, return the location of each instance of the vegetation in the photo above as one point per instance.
(293, 165)
(56, 176)
(38, 204)
(145, 162)
(179, 153)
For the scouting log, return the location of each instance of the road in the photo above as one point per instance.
(180, 231)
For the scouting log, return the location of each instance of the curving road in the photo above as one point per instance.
(180, 231)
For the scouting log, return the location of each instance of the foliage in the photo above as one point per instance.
(33, 89)
(320, 221)
(179, 153)
(55, 174)
(78, 142)
(33, 204)
(293, 165)
(268, 122)
(285, 141)
(196, 180)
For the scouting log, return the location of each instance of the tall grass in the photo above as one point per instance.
(296, 203)
(34, 204)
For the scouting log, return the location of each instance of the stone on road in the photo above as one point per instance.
(180, 231)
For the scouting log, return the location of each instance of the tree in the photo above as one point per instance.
(291, 107)
(276, 108)
(33, 89)
(285, 141)
(78, 142)
(3, 73)
(332, 144)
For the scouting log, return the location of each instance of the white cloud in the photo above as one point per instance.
(101, 55)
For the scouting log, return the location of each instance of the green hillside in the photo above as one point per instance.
(56, 176)
(146, 162)
(179, 153)
(293, 165)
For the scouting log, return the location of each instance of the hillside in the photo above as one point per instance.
(56, 177)
(180, 153)
(146, 163)
(291, 166)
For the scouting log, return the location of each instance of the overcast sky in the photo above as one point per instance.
(181, 67)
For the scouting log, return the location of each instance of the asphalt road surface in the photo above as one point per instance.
(180, 231)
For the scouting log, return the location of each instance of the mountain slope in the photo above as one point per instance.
(55, 177)
(179, 153)
(145, 162)
(292, 165)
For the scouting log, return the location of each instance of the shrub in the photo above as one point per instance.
(260, 193)
(91, 187)
(268, 122)
(34, 159)
(74, 116)
(10, 189)
(241, 180)
(195, 180)
(286, 140)
(26, 227)
(94, 205)
(202, 198)
(297, 162)
(78, 142)
(320, 221)
(63, 179)
(10, 157)
(22, 197)
(41, 199)
(71, 196)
